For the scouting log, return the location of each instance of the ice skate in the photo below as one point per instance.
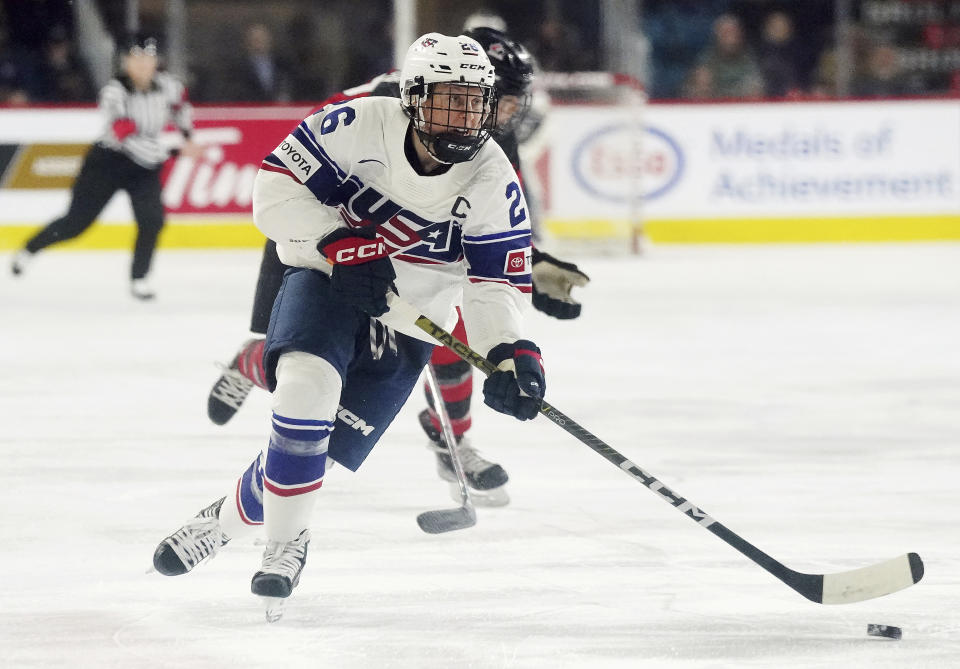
(193, 543)
(486, 480)
(280, 572)
(141, 289)
(229, 392)
(20, 261)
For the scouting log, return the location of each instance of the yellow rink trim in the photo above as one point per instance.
(770, 230)
(177, 234)
(240, 232)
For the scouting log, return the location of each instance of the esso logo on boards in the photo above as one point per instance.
(626, 161)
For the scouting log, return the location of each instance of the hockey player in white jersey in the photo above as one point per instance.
(363, 198)
(552, 281)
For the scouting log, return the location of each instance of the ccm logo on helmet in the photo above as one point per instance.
(472, 66)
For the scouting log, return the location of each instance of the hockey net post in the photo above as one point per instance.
(587, 160)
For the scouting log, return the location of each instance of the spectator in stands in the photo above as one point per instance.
(881, 75)
(307, 81)
(824, 85)
(831, 68)
(558, 47)
(678, 31)
(13, 77)
(699, 84)
(779, 56)
(373, 59)
(60, 76)
(733, 70)
(260, 75)
(29, 22)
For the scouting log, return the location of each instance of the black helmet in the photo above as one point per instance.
(514, 67)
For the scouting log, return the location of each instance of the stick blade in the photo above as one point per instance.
(873, 581)
(447, 520)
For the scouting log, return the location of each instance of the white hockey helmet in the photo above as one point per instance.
(452, 127)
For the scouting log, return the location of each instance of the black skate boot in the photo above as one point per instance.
(199, 539)
(486, 480)
(279, 574)
(229, 392)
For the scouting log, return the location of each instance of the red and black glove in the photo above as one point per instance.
(362, 271)
(517, 386)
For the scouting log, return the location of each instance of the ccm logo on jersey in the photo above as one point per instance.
(518, 262)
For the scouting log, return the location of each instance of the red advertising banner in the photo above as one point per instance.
(235, 141)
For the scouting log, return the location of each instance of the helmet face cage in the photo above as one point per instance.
(453, 119)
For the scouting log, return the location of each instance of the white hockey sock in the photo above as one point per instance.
(304, 409)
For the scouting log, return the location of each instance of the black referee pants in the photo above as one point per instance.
(104, 172)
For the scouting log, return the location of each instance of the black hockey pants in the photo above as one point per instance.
(268, 285)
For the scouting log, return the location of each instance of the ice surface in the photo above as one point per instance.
(806, 397)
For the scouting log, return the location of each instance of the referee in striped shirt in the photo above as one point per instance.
(128, 156)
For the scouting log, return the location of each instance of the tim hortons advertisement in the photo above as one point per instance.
(221, 181)
(41, 152)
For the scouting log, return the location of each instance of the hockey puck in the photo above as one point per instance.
(888, 631)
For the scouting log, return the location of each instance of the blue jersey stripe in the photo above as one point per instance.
(488, 258)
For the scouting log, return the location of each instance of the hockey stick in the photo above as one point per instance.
(838, 588)
(464, 516)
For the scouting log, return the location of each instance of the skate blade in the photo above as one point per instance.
(273, 608)
(493, 497)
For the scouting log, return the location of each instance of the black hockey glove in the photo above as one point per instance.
(552, 282)
(517, 386)
(362, 271)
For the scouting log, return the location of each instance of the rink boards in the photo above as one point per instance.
(759, 172)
